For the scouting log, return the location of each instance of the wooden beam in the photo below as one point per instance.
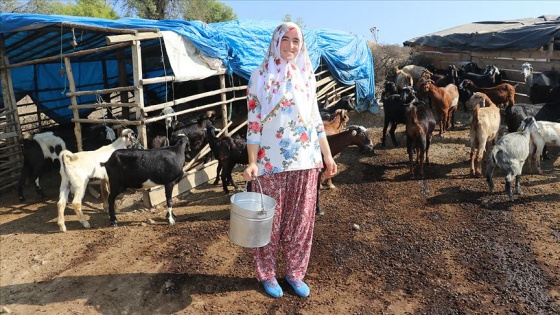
(115, 39)
(69, 55)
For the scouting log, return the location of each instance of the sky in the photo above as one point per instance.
(395, 21)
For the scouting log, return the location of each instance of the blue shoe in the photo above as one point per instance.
(272, 287)
(299, 286)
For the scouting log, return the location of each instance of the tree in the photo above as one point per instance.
(93, 8)
(208, 11)
(152, 9)
(31, 6)
(298, 21)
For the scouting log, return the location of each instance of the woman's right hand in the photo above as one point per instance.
(250, 172)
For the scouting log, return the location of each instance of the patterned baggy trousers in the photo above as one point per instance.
(295, 193)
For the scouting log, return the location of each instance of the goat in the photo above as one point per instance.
(420, 124)
(502, 94)
(346, 102)
(548, 78)
(394, 107)
(485, 123)
(547, 133)
(354, 135)
(138, 168)
(472, 67)
(482, 80)
(194, 130)
(510, 153)
(414, 71)
(544, 93)
(389, 88)
(337, 123)
(160, 131)
(36, 153)
(444, 100)
(402, 79)
(229, 152)
(76, 169)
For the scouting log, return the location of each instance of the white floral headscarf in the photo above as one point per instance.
(293, 80)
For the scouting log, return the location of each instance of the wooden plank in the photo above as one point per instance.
(115, 39)
(157, 80)
(103, 91)
(156, 195)
(69, 55)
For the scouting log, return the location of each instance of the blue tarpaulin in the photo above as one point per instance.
(239, 44)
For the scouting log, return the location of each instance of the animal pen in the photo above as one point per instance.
(137, 80)
(505, 44)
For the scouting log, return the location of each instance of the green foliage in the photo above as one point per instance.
(153, 9)
(93, 8)
(209, 11)
(299, 21)
(30, 6)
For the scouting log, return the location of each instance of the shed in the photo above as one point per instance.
(63, 70)
(506, 44)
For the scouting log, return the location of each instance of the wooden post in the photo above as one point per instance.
(72, 88)
(123, 81)
(12, 133)
(224, 106)
(139, 91)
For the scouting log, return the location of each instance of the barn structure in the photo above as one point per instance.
(86, 73)
(506, 44)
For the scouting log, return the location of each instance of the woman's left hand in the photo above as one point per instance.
(330, 165)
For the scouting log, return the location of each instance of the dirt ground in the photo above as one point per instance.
(440, 246)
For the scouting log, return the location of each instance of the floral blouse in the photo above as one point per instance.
(286, 142)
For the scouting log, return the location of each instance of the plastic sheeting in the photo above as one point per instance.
(530, 33)
(240, 45)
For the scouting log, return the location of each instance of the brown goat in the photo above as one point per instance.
(336, 124)
(444, 100)
(420, 124)
(485, 123)
(502, 94)
(403, 79)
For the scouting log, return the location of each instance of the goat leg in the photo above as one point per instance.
(392, 133)
(168, 191)
(509, 189)
(518, 184)
(38, 189)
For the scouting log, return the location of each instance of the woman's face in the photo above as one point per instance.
(289, 45)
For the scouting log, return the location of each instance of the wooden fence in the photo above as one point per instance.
(509, 62)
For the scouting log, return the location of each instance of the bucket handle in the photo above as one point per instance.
(261, 193)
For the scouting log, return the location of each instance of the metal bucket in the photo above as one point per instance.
(251, 216)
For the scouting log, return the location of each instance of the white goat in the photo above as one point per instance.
(485, 123)
(527, 71)
(547, 133)
(510, 154)
(76, 169)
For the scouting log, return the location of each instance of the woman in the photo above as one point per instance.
(285, 139)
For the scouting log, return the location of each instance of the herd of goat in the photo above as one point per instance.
(421, 98)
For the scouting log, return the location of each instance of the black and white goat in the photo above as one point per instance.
(510, 154)
(77, 169)
(137, 168)
(36, 153)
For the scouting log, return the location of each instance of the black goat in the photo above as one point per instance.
(214, 144)
(345, 102)
(194, 130)
(394, 108)
(544, 93)
(136, 168)
(231, 152)
(36, 154)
